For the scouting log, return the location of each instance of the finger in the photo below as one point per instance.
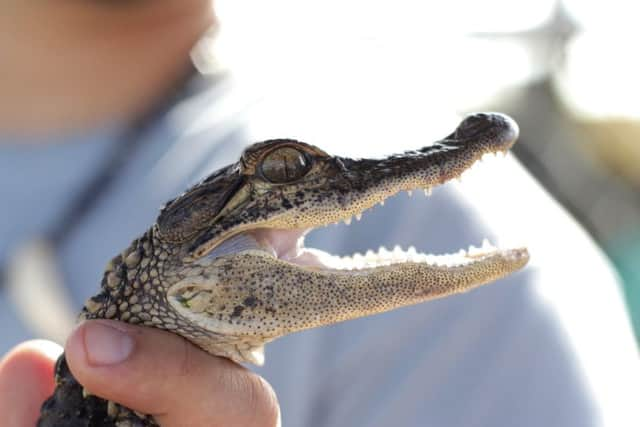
(159, 373)
(26, 380)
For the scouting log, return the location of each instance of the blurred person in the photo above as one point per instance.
(89, 107)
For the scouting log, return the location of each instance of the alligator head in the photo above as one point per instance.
(226, 267)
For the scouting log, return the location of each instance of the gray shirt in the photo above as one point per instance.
(548, 346)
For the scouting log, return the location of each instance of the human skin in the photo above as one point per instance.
(26, 379)
(75, 64)
(148, 370)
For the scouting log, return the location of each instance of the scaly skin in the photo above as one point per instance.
(224, 265)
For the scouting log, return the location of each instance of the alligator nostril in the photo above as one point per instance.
(474, 124)
(501, 128)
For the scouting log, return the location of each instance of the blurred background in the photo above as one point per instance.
(357, 78)
(375, 73)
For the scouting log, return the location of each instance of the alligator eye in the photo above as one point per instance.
(285, 164)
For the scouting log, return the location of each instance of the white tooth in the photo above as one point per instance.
(398, 254)
(410, 193)
(358, 260)
(358, 216)
(427, 191)
(486, 245)
(475, 251)
(347, 262)
(412, 254)
(371, 257)
(347, 221)
(381, 202)
(383, 252)
(461, 253)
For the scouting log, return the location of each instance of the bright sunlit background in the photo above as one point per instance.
(371, 77)
(364, 76)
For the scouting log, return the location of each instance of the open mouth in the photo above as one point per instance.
(244, 229)
(281, 189)
(288, 245)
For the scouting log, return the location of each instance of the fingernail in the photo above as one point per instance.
(106, 345)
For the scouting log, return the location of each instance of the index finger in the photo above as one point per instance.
(26, 380)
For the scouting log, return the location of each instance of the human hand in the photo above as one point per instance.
(26, 380)
(148, 370)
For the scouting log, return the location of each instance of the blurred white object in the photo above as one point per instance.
(36, 288)
(600, 77)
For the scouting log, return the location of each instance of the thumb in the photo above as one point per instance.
(159, 373)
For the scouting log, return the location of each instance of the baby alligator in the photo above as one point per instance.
(225, 265)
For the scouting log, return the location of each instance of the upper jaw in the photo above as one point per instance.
(478, 134)
(343, 187)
